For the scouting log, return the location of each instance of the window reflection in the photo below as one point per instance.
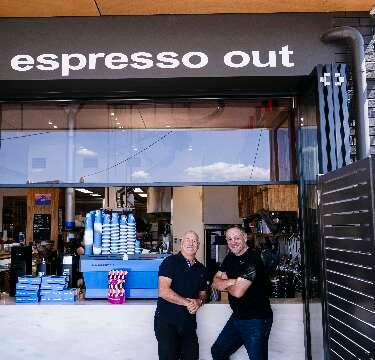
(190, 142)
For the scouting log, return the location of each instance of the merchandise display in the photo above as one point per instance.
(110, 232)
(116, 289)
(28, 289)
(54, 290)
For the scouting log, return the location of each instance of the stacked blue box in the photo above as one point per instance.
(28, 289)
(54, 290)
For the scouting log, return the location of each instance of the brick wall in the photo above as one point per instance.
(366, 25)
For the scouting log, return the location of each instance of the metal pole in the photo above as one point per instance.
(71, 111)
(353, 38)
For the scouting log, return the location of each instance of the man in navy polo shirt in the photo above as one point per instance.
(182, 291)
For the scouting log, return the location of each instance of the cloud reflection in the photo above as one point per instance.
(228, 171)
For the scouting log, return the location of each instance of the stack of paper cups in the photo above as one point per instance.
(97, 248)
(131, 235)
(123, 232)
(89, 234)
(115, 234)
(106, 234)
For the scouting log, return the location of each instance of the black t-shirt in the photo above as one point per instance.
(254, 304)
(187, 281)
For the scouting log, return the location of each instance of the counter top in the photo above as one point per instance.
(7, 300)
(96, 332)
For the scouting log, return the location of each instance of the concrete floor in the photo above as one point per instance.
(97, 331)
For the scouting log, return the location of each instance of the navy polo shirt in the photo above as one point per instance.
(187, 281)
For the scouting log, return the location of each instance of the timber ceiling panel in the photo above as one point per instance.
(48, 8)
(139, 7)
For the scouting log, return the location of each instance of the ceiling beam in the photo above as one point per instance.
(50, 8)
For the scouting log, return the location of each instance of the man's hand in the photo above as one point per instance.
(194, 305)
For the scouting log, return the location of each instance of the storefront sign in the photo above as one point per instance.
(143, 60)
(163, 46)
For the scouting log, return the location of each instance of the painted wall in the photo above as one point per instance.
(187, 214)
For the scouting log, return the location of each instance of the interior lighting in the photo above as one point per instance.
(167, 126)
(85, 191)
(55, 126)
(138, 190)
(50, 122)
(112, 113)
(143, 195)
(95, 195)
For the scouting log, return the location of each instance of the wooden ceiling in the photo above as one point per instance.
(48, 8)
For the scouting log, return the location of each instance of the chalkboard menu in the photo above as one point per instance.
(42, 227)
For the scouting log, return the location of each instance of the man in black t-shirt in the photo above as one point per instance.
(182, 291)
(242, 275)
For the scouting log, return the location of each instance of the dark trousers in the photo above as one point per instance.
(253, 334)
(175, 342)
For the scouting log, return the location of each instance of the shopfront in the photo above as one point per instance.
(188, 122)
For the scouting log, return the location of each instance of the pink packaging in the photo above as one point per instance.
(116, 291)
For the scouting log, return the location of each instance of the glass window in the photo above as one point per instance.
(201, 141)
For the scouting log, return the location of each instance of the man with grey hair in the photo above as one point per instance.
(182, 291)
(242, 274)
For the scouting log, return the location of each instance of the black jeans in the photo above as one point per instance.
(175, 342)
(252, 333)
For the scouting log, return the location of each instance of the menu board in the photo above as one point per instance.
(42, 227)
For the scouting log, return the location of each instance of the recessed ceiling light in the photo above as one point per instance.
(55, 126)
(112, 113)
(138, 190)
(50, 122)
(118, 123)
(167, 126)
(85, 191)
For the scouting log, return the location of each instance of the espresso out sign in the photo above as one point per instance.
(67, 63)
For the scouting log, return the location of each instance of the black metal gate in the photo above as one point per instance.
(347, 228)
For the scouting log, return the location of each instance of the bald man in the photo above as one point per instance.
(182, 291)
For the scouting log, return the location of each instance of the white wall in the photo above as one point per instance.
(187, 214)
(220, 205)
(9, 192)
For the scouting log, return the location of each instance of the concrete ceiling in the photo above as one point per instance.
(48, 8)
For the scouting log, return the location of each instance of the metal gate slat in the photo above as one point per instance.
(357, 311)
(363, 273)
(354, 296)
(354, 177)
(352, 322)
(353, 347)
(347, 219)
(349, 193)
(352, 258)
(349, 244)
(351, 205)
(363, 287)
(351, 333)
(363, 231)
(345, 354)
